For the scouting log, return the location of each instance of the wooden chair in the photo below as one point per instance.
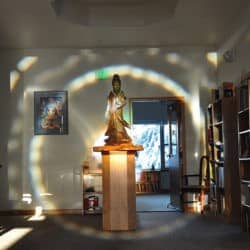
(201, 188)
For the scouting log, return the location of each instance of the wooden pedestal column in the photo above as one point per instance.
(119, 197)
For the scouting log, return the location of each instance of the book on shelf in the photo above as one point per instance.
(210, 118)
(244, 98)
(228, 89)
(215, 93)
(220, 177)
(245, 192)
(217, 118)
(210, 135)
(245, 145)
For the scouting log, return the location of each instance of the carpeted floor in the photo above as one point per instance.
(157, 230)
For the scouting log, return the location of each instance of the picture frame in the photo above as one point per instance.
(50, 112)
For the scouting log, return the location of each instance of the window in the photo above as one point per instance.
(170, 149)
(148, 135)
(151, 129)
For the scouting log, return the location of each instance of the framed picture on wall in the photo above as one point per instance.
(50, 112)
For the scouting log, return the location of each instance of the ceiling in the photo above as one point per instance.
(118, 23)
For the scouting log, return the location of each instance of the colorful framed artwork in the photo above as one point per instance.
(50, 112)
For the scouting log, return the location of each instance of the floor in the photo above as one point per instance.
(155, 230)
(154, 203)
(159, 227)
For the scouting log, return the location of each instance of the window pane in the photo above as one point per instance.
(166, 154)
(174, 133)
(167, 141)
(148, 135)
(166, 134)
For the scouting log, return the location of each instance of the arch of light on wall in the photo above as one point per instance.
(93, 77)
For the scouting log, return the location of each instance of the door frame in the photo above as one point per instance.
(182, 138)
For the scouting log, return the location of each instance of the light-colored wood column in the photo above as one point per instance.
(119, 197)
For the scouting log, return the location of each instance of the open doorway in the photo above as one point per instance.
(158, 125)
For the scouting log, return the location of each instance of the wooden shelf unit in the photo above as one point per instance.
(148, 182)
(244, 151)
(92, 190)
(223, 157)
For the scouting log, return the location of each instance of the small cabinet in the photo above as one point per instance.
(92, 190)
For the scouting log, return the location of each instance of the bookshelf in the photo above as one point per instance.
(223, 157)
(92, 190)
(244, 151)
(148, 182)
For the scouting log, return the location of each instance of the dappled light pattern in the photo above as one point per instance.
(80, 83)
(26, 63)
(162, 230)
(150, 76)
(12, 236)
(212, 57)
(14, 78)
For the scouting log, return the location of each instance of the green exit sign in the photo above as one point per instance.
(101, 74)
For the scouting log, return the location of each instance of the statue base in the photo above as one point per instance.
(119, 196)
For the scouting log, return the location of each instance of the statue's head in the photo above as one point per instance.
(116, 83)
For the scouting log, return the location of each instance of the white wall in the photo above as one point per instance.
(38, 164)
(241, 61)
(4, 131)
(11, 134)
